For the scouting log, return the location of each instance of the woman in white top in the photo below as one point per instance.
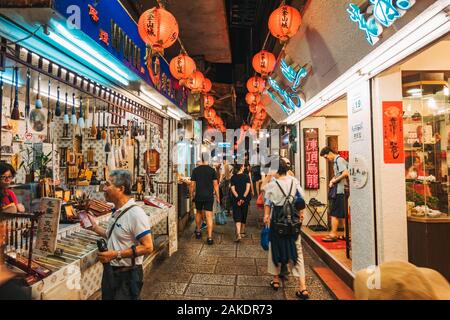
(274, 197)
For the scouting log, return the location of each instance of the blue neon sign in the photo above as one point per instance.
(383, 14)
(290, 99)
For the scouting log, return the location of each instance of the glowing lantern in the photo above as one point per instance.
(245, 127)
(252, 108)
(195, 81)
(256, 85)
(209, 113)
(252, 98)
(261, 116)
(208, 101)
(207, 85)
(158, 28)
(284, 22)
(260, 107)
(182, 66)
(264, 62)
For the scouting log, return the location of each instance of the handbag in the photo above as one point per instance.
(260, 200)
(221, 217)
(265, 233)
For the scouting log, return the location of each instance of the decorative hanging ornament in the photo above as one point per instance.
(256, 85)
(207, 85)
(182, 66)
(264, 62)
(260, 107)
(261, 116)
(284, 22)
(252, 108)
(209, 113)
(208, 101)
(158, 28)
(81, 117)
(252, 98)
(195, 82)
(66, 115)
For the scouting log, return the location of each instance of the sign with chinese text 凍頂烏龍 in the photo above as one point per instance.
(381, 14)
(311, 138)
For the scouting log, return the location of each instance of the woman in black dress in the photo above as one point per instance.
(240, 189)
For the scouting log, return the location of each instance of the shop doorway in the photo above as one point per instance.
(332, 125)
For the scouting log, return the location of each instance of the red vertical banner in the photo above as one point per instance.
(311, 141)
(394, 151)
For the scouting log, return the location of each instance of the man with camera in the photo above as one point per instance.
(128, 240)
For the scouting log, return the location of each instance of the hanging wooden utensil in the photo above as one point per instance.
(108, 140)
(15, 111)
(58, 104)
(99, 129)
(104, 133)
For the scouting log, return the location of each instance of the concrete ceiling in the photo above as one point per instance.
(203, 26)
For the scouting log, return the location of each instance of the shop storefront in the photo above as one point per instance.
(381, 102)
(70, 116)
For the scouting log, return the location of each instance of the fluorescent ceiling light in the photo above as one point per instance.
(75, 50)
(90, 50)
(148, 94)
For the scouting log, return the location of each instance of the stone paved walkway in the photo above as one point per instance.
(225, 270)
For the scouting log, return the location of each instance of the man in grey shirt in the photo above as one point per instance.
(339, 181)
(129, 239)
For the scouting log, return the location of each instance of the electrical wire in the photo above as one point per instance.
(27, 37)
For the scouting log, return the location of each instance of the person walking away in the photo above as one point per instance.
(225, 179)
(128, 237)
(339, 181)
(240, 189)
(257, 178)
(284, 250)
(204, 185)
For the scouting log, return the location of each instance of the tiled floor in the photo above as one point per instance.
(225, 270)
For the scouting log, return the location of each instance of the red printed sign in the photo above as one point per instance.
(311, 139)
(393, 132)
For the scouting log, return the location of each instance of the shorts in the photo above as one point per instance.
(338, 209)
(201, 205)
(240, 213)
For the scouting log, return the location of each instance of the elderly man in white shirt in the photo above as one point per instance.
(129, 239)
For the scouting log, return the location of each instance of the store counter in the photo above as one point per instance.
(429, 243)
(76, 272)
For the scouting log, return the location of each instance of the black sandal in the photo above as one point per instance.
(302, 295)
(275, 285)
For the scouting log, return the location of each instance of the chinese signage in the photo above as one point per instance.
(357, 132)
(359, 172)
(381, 13)
(288, 99)
(48, 225)
(112, 28)
(393, 132)
(311, 138)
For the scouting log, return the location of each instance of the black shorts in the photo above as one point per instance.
(338, 209)
(201, 205)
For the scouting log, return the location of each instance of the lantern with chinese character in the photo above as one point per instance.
(158, 28)
(195, 81)
(207, 85)
(264, 62)
(284, 22)
(252, 98)
(208, 101)
(256, 85)
(182, 66)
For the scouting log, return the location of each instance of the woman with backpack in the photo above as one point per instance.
(240, 189)
(283, 212)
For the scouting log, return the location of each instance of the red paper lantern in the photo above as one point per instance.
(252, 98)
(252, 108)
(195, 81)
(256, 85)
(207, 85)
(284, 22)
(209, 113)
(208, 101)
(260, 107)
(182, 66)
(264, 62)
(158, 28)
